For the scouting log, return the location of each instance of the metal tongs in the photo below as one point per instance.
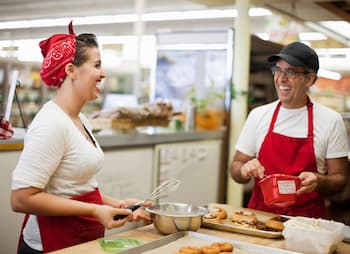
(161, 191)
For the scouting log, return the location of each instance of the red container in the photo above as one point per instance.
(279, 190)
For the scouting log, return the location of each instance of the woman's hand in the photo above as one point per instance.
(105, 215)
(252, 168)
(308, 182)
(138, 214)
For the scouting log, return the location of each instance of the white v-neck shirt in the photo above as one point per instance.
(56, 158)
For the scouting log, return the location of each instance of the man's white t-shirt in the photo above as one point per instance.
(330, 136)
(56, 158)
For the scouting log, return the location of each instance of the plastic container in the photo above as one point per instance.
(312, 236)
(279, 190)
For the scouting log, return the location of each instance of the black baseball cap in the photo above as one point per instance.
(297, 54)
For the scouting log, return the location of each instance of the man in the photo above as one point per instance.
(294, 136)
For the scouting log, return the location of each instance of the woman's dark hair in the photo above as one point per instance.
(83, 42)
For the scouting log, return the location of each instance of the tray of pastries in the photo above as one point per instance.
(243, 220)
(189, 242)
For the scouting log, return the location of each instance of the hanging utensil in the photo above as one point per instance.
(161, 191)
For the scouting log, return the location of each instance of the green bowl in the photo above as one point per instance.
(115, 245)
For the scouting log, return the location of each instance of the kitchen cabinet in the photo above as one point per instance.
(127, 174)
(10, 221)
(196, 164)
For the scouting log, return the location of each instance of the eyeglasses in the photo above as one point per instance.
(289, 73)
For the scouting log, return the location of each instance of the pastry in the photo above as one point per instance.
(244, 218)
(223, 246)
(215, 214)
(189, 250)
(276, 223)
(210, 249)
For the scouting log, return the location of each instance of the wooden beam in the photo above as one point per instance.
(333, 8)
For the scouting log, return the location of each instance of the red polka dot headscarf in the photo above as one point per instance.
(58, 50)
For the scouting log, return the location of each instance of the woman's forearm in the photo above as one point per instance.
(35, 201)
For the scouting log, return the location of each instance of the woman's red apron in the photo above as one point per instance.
(289, 155)
(59, 232)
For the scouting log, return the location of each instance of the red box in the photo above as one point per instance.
(279, 190)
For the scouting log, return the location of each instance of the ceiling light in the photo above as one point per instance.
(331, 30)
(183, 15)
(312, 36)
(108, 19)
(256, 12)
(194, 46)
(263, 36)
(129, 18)
(329, 74)
(338, 26)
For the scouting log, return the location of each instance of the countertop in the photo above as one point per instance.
(154, 135)
(142, 136)
(149, 233)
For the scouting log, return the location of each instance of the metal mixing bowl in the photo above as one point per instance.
(169, 218)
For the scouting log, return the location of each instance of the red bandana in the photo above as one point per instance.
(58, 50)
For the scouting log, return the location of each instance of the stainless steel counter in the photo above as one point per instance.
(141, 137)
(152, 136)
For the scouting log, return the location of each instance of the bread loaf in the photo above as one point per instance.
(157, 114)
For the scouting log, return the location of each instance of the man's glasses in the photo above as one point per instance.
(289, 73)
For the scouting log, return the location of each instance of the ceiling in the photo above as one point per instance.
(306, 12)
(301, 10)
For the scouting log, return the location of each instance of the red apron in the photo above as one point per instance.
(289, 155)
(58, 232)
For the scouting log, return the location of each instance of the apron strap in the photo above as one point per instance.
(310, 132)
(26, 217)
(274, 117)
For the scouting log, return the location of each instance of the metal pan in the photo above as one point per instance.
(228, 225)
(172, 242)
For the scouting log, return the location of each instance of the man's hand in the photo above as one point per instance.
(308, 182)
(252, 168)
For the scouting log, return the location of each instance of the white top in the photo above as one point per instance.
(330, 136)
(56, 158)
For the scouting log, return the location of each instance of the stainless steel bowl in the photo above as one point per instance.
(169, 218)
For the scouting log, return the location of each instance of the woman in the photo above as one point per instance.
(54, 181)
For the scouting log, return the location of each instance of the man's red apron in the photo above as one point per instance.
(59, 232)
(289, 155)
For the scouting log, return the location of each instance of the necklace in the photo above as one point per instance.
(79, 124)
